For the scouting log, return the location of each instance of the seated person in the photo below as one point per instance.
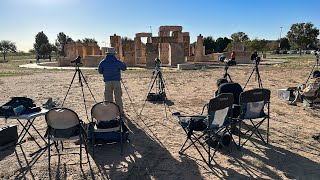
(230, 87)
(309, 91)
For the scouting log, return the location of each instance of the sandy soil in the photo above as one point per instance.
(155, 140)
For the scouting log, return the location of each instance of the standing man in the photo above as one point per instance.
(110, 68)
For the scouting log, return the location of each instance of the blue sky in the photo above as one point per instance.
(21, 20)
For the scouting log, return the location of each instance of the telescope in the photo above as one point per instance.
(77, 60)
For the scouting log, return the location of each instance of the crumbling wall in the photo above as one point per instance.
(152, 52)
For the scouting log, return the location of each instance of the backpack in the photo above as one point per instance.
(196, 124)
(27, 106)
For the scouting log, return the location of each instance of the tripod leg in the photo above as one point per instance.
(154, 80)
(229, 77)
(85, 81)
(314, 66)
(165, 108)
(69, 87)
(259, 77)
(84, 99)
(248, 79)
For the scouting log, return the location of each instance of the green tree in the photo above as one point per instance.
(284, 43)
(42, 45)
(256, 44)
(273, 45)
(302, 34)
(239, 37)
(209, 44)
(45, 49)
(89, 40)
(61, 41)
(7, 46)
(32, 51)
(221, 44)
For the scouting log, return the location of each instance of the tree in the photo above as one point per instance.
(209, 44)
(45, 49)
(273, 45)
(302, 34)
(61, 41)
(89, 40)
(32, 51)
(256, 44)
(284, 43)
(42, 45)
(239, 37)
(7, 46)
(221, 44)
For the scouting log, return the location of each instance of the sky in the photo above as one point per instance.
(21, 20)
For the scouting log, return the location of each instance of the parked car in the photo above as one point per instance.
(275, 52)
(283, 52)
(307, 52)
(292, 52)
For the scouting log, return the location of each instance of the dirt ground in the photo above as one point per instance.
(152, 152)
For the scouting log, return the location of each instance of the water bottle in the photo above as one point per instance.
(18, 110)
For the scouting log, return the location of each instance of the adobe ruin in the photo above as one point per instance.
(171, 46)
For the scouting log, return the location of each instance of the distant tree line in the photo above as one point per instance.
(300, 36)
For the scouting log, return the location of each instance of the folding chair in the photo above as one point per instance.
(313, 100)
(107, 112)
(217, 124)
(64, 125)
(253, 104)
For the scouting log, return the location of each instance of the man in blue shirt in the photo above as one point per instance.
(110, 67)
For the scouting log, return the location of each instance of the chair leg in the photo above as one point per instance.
(268, 130)
(92, 143)
(239, 145)
(121, 150)
(49, 156)
(80, 150)
(182, 150)
(209, 157)
(86, 148)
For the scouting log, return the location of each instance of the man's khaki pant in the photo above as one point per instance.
(114, 87)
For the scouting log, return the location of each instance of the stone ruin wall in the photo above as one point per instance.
(75, 49)
(171, 45)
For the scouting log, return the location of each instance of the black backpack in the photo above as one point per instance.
(7, 109)
(196, 125)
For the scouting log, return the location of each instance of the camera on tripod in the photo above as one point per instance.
(157, 64)
(158, 82)
(77, 60)
(255, 58)
(228, 62)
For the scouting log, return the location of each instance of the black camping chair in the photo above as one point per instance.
(236, 90)
(111, 128)
(255, 109)
(64, 125)
(202, 129)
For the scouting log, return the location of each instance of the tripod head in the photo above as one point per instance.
(77, 61)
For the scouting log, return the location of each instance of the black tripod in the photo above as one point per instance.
(226, 74)
(255, 69)
(315, 67)
(158, 82)
(81, 80)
